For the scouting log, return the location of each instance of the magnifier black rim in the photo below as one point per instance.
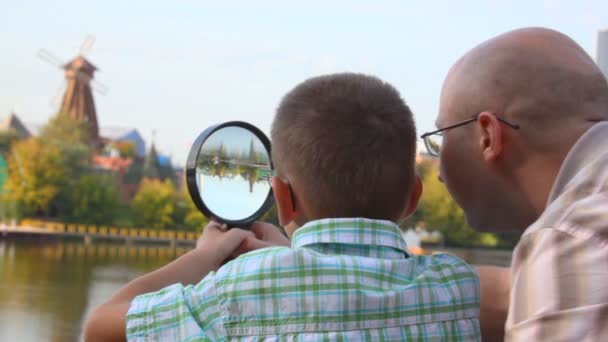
(191, 174)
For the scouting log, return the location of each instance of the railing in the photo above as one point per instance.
(105, 231)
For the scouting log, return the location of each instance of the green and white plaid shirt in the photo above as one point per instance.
(342, 280)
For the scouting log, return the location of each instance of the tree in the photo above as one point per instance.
(154, 204)
(7, 138)
(193, 219)
(73, 139)
(187, 215)
(151, 167)
(63, 129)
(438, 211)
(36, 174)
(94, 199)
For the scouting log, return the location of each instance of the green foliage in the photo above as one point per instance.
(154, 204)
(187, 216)
(45, 172)
(441, 213)
(73, 139)
(192, 219)
(151, 167)
(134, 173)
(7, 138)
(93, 199)
(37, 172)
(64, 130)
(52, 176)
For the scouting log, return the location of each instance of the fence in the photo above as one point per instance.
(109, 231)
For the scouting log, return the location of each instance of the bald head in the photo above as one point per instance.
(538, 78)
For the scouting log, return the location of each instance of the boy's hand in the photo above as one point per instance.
(223, 244)
(270, 234)
(265, 235)
(220, 243)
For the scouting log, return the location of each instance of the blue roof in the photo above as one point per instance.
(164, 160)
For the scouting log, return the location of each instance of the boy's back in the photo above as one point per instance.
(343, 147)
(343, 279)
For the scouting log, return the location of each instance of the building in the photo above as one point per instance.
(128, 171)
(602, 51)
(13, 123)
(107, 134)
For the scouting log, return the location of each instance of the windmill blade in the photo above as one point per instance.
(100, 87)
(45, 55)
(87, 44)
(56, 100)
(94, 84)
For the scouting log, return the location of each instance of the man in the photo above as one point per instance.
(525, 147)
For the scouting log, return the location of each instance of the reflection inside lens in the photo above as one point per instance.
(434, 143)
(232, 170)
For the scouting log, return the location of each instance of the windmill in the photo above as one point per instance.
(77, 101)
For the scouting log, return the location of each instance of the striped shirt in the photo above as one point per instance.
(341, 280)
(559, 289)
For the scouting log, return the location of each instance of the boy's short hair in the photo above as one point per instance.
(349, 142)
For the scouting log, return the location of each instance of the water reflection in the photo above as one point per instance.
(48, 288)
(233, 168)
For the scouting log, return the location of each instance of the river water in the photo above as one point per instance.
(47, 288)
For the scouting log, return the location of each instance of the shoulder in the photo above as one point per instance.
(587, 219)
(252, 262)
(555, 273)
(446, 263)
(580, 210)
(445, 272)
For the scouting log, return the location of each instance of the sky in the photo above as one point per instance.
(177, 67)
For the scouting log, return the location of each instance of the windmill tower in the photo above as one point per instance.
(78, 100)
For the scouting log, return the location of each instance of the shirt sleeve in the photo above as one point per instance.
(558, 290)
(176, 313)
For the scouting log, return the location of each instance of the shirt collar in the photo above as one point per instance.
(355, 231)
(584, 152)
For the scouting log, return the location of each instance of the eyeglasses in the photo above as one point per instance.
(433, 140)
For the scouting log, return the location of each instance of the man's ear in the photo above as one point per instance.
(286, 208)
(415, 195)
(491, 139)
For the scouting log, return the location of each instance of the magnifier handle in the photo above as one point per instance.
(246, 226)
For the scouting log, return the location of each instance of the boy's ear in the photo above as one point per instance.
(412, 202)
(286, 208)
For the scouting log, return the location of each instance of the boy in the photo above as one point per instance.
(344, 149)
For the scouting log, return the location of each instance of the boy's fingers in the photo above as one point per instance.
(250, 244)
(214, 225)
(261, 229)
(237, 237)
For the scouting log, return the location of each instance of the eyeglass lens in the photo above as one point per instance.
(433, 144)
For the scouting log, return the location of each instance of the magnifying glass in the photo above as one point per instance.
(228, 171)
